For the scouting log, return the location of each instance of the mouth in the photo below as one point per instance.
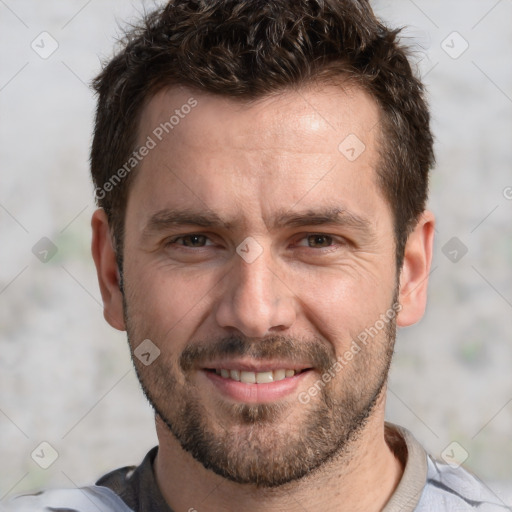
(257, 377)
(255, 383)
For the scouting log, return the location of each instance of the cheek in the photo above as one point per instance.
(340, 305)
(166, 302)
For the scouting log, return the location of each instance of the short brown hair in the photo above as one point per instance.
(247, 49)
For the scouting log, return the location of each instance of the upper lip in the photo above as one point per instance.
(255, 366)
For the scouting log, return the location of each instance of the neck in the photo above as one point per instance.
(363, 479)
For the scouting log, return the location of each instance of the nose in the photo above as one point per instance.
(254, 300)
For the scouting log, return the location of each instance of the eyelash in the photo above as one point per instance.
(334, 240)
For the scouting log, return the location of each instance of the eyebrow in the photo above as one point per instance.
(335, 216)
(168, 218)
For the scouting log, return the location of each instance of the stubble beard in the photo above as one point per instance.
(267, 445)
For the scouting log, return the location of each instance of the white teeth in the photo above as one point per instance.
(264, 377)
(248, 377)
(256, 377)
(280, 374)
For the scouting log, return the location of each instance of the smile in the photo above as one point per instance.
(261, 377)
(255, 385)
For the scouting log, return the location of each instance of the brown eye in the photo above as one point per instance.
(194, 240)
(190, 240)
(319, 241)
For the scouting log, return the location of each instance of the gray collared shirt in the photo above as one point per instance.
(427, 485)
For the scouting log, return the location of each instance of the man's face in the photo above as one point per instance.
(258, 248)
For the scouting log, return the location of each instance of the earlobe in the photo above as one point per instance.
(415, 271)
(107, 270)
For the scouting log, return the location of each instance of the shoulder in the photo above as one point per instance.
(67, 500)
(428, 484)
(454, 488)
(123, 490)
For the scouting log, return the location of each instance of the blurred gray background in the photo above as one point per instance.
(65, 375)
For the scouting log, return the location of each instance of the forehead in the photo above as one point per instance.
(292, 118)
(315, 145)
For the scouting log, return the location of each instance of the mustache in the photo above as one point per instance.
(313, 351)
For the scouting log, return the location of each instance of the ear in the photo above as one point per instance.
(106, 267)
(415, 271)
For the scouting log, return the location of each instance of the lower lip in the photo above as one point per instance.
(256, 393)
